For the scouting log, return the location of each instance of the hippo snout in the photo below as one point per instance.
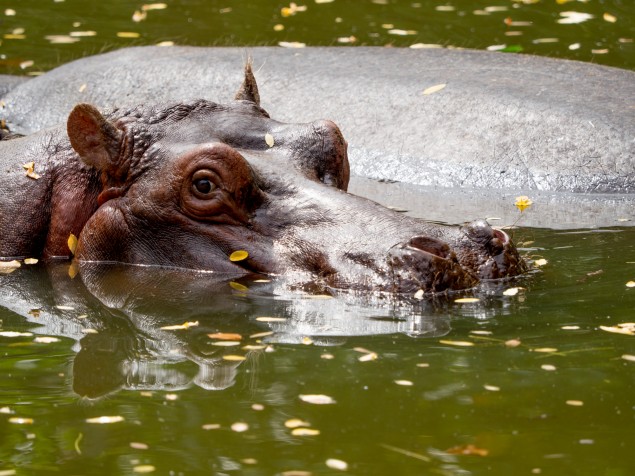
(428, 264)
(488, 252)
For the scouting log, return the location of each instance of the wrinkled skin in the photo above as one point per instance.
(186, 185)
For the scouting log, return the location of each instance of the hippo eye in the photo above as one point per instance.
(203, 187)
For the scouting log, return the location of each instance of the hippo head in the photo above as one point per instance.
(189, 184)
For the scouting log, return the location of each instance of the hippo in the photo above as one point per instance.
(430, 117)
(225, 188)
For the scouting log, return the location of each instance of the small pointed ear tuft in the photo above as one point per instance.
(95, 139)
(249, 89)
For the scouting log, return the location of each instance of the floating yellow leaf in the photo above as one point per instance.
(102, 420)
(458, 343)
(61, 39)
(419, 294)
(467, 450)
(234, 358)
(546, 350)
(240, 427)
(253, 347)
(609, 18)
(185, 325)
(434, 89)
(540, 262)
(630, 358)
(317, 399)
(226, 343)
(291, 44)
(225, 336)
(138, 446)
(305, 432)
(630, 284)
(21, 421)
(72, 243)
(511, 291)
(523, 202)
(575, 403)
(404, 383)
(307, 340)
(296, 423)
(513, 343)
(548, 367)
(15, 334)
(154, 6)
(270, 319)
(143, 469)
(79, 34)
(211, 426)
(258, 407)
(30, 261)
(239, 255)
(238, 287)
(337, 464)
(368, 357)
(466, 300)
(278, 27)
(625, 329)
(571, 18)
(7, 267)
(260, 334)
(491, 388)
(73, 269)
(45, 340)
(269, 139)
(138, 16)
(570, 328)
(128, 34)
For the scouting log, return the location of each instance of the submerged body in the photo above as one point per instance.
(188, 184)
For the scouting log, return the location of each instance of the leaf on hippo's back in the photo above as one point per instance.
(73, 269)
(434, 89)
(239, 255)
(30, 170)
(30, 260)
(72, 243)
(269, 139)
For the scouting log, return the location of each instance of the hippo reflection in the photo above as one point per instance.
(187, 185)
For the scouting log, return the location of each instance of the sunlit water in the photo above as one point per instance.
(523, 384)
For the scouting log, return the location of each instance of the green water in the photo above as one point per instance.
(540, 389)
(536, 386)
(33, 29)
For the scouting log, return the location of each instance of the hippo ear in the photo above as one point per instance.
(249, 89)
(94, 138)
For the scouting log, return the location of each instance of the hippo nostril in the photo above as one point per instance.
(430, 245)
(501, 235)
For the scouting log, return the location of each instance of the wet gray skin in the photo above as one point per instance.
(186, 185)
